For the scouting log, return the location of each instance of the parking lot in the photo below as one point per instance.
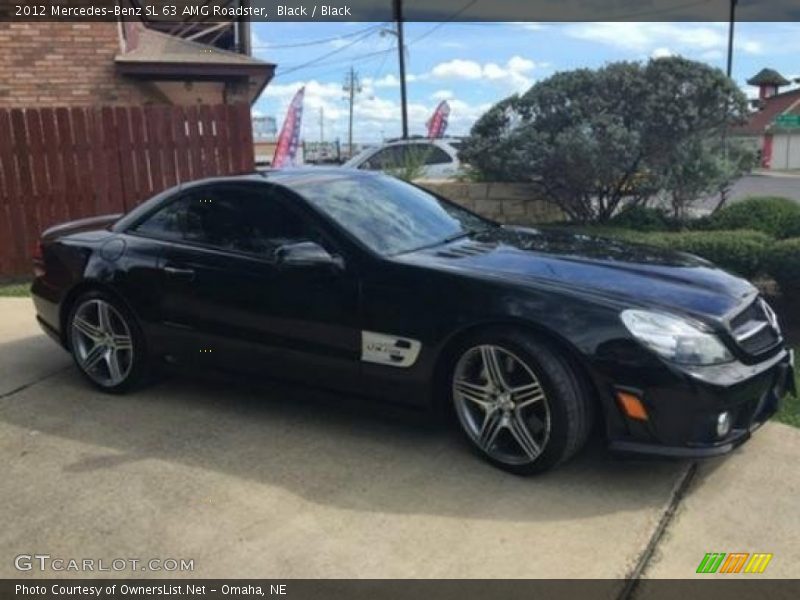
(283, 482)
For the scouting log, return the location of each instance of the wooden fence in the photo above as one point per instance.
(59, 164)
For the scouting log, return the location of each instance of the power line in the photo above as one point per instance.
(379, 70)
(340, 61)
(322, 57)
(319, 41)
(441, 24)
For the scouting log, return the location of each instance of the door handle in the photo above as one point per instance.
(178, 272)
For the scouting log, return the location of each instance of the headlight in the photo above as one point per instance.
(675, 339)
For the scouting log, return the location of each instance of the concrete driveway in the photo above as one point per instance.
(282, 482)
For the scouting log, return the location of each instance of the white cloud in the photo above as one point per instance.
(662, 53)
(515, 74)
(387, 81)
(706, 40)
(442, 95)
(326, 96)
(643, 36)
(340, 43)
(531, 25)
(712, 55)
(457, 69)
(374, 115)
(750, 46)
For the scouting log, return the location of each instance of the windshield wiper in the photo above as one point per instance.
(450, 238)
(458, 236)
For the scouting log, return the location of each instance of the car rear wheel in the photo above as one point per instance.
(105, 342)
(521, 405)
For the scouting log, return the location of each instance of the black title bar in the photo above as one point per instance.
(412, 10)
(713, 588)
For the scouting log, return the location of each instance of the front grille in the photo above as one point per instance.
(755, 329)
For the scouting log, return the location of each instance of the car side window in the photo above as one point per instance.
(420, 153)
(436, 156)
(387, 158)
(230, 218)
(165, 224)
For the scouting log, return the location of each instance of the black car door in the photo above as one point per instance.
(230, 302)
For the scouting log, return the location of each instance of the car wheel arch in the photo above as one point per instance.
(79, 290)
(452, 344)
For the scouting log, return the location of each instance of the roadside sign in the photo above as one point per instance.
(788, 121)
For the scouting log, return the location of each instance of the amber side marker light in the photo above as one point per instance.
(632, 406)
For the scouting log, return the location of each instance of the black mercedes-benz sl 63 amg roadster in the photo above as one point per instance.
(368, 285)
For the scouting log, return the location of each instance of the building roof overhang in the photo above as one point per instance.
(158, 56)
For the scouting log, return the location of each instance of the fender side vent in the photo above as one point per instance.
(469, 249)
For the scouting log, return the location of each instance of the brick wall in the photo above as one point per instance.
(64, 64)
(510, 203)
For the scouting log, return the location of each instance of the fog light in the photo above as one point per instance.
(723, 424)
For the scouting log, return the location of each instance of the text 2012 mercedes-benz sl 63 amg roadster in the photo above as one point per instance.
(368, 285)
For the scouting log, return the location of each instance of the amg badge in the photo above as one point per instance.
(388, 349)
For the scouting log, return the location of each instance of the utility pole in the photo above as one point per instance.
(731, 26)
(352, 86)
(723, 192)
(321, 124)
(398, 17)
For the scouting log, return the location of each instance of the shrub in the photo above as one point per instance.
(743, 252)
(779, 217)
(412, 166)
(642, 218)
(624, 132)
(783, 263)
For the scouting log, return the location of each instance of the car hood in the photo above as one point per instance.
(633, 274)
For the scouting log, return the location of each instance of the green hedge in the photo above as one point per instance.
(783, 263)
(743, 252)
(642, 218)
(779, 217)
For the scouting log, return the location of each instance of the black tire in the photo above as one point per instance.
(568, 398)
(136, 359)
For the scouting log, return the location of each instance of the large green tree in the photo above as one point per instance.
(595, 139)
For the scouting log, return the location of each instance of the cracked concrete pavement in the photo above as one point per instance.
(280, 481)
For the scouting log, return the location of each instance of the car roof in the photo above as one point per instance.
(422, 138)
(285, 176)
(298, 175)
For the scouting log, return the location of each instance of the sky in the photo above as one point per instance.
(474, 65)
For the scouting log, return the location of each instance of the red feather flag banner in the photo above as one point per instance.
(289, 138)
(437, 124)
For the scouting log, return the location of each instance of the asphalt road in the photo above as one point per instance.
(280, 482)
(787, 186)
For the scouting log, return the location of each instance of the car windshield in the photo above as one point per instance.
(388, 215)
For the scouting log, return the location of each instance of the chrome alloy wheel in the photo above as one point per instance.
(501, 404)
(102, 342)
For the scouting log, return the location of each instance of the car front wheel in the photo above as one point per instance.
(521, 405)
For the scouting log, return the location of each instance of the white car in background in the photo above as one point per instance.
(440, 156)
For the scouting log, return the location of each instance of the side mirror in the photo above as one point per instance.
(305, 255)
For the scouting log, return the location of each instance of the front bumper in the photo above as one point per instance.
(683, 406)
